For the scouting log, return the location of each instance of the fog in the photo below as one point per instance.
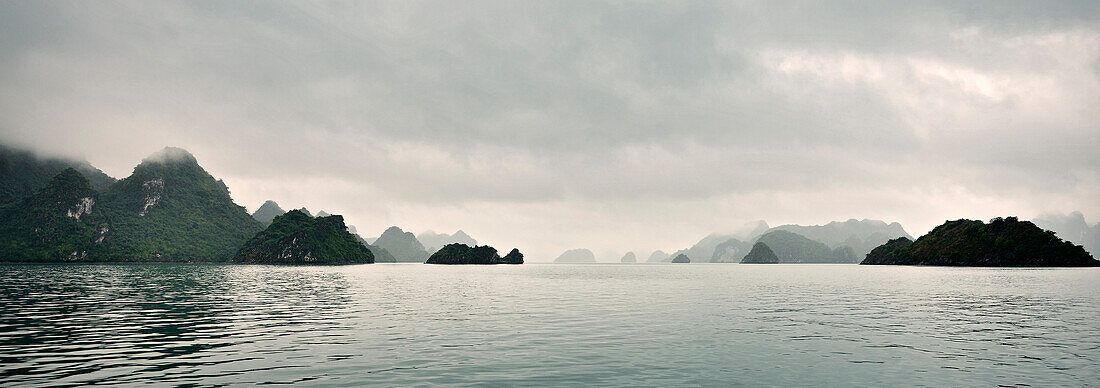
(613, 126)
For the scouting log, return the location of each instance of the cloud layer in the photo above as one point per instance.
(612, 126)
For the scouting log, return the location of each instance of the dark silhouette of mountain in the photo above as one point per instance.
(681, 258)
(171, 209)
(658, 257)
(513, 257)
(1073, 228)
(576, 256)
(464, 254)
(433, 241)
(893, 251)
(297, 238)
(629, 258)
(267, 212)
(861, 236)
(1003, 242)
(22, 173)
(403, 245)
(730, 251)
(760, 254)
(795, 248)
(59, 222)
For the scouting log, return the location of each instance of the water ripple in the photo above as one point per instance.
(602, 325)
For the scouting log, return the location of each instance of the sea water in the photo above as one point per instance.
(546, 324)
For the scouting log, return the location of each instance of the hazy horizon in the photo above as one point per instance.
(554, 126)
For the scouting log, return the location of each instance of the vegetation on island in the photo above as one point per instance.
(297, 238)
(59, 222)
(1003, 242)
(458, 253)
(171, 209)
(681, 258)
(760, 254)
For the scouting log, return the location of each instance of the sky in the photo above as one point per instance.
(612, 126)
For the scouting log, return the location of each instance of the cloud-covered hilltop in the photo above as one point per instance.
(590, 123)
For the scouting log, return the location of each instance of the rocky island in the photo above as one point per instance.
(297, 238)
(1003, 242)
(458, 253)
(681, 258)
(760, 254)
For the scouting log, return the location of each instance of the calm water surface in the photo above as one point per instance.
(651, 325)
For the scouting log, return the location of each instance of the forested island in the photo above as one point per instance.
(297, 238)
(458, 253)
(1003, 242)
(760, 254)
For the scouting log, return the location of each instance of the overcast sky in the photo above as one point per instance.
(554, 125)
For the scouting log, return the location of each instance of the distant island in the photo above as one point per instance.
(681, 258)
(629, 258)
(792, 247)
(1003, 242)
(297, 238)
(576, 256)
(760, 254)
(458, 253)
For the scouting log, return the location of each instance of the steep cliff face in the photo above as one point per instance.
(297, 238)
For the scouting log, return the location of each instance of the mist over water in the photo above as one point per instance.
(658, 325)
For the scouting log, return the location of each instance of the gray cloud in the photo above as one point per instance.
(622, 126)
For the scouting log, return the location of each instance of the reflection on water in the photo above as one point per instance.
(547, 324)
